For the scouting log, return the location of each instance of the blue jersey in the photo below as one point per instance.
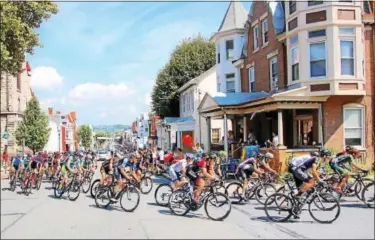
(17, 161)
(126, 163)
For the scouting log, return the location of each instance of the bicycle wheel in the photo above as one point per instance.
(360, 186)
(218, 200)
(179, 200)
(234, 192)
(329, 189)
(102, 197)
(145, 185)
(368, 195)
(58, 190)
(162, 194)
(86, 185)
(74, 191)
(326, 204)
(263, 192)
(277, 204)
(129, 199)
(94, 187)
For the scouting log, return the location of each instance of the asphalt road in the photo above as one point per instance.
(42, 216)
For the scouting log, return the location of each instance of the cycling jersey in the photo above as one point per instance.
(343, 159)
(303, 162)
(124, 163)
(248, 163)
(17, 161)
(178, 166)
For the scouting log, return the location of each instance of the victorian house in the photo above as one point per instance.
(306, 75)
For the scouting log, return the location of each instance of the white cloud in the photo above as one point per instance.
(148, 99)
(92, 91)
(46, 103)
(46, 78)
(132, 109)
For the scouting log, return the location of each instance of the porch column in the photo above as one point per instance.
(320, 125)
(244, 129)
(280, 132)
(226, 136)
(295, 130)
(208, 119)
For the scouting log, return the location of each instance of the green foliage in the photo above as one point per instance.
(191, 58)
(84, 135)
(101, 134)
(34, 127)
(19, 19)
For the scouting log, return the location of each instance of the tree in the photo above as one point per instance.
(19, 19)
(101, 134)
(191, 58)
(85, 136)
(34, 127)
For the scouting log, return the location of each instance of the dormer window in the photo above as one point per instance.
(229, 48)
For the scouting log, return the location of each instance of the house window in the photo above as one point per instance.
(255, 37)
(346, 31)
(295, 63)
(294, 40)
(273, 73)
(215, 135)
(251, 79)
(192, 100)
(218, 53)
(318, 59)
(314, 2)
(265, 31)
(292, 7)
(353, 126)
(230, 81)
(19, 82)
(347, 57)
(229, 47)
(317, 33)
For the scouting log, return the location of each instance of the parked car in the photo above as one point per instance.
(103, 155)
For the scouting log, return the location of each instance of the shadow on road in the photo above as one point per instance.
(189, 215)
(159, 180)
(355, 205)
(109, 208)
(265, 219)
(5, 189)
(54, 197)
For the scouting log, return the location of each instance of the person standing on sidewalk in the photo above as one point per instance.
(5, 160)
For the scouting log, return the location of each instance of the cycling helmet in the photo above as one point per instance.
(315, 154)
(324, 152)
(268, 155)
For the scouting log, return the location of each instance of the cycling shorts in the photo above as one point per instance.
(299, 176)
(337, 168)
(246, 173)
(16, 167)
(175, 176)
(34, 165)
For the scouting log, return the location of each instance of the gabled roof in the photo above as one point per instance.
(235, 17)
(197, 79)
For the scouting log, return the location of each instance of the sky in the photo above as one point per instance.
(101, 59)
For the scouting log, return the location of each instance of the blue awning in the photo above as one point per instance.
(229, 99)
(169, 120)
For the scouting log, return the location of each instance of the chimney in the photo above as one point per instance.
(50, 111)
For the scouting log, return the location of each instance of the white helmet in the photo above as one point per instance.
(268, 155)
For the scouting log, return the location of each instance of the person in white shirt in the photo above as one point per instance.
(275, 141)
(177, 173)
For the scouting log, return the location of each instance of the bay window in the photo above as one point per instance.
(295, 63)
(229, 48)
(318, 61)
(347, 57)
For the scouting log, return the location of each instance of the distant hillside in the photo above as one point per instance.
(111, 128)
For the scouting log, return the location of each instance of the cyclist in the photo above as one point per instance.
(105, 170)
(197, 171)
(343, 164)
(263, 162)
(120, 173)
(177, 173)
(247, 169)
(16, 167)
(299, 166)
(67, 167)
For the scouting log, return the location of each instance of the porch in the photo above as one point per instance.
(294, 118)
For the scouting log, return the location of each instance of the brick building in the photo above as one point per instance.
(307, 74)
(15, 94)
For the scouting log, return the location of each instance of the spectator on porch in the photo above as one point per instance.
(230, 137)
(275, 141)
(251, 137)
